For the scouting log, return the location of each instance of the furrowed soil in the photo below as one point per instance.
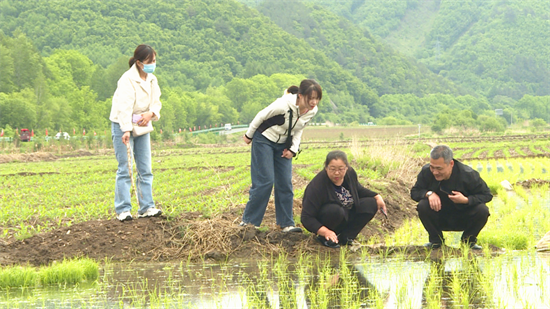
(189, 236)
(193, 236)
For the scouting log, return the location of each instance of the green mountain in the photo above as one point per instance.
(200, 43)
(369, 59)
(494, 47)
(218, 61)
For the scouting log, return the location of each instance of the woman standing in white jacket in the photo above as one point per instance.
(275, 134)
(136, 102)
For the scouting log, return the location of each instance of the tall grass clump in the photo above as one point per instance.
(18, 276)
(386, 158)
(70, 272)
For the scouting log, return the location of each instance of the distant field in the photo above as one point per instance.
(313, 133)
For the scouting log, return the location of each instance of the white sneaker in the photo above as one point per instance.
(124, 216)
(292, 229)
(151, 212)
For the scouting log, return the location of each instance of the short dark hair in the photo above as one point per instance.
(142, 53)
(442, 151)
(336, 155)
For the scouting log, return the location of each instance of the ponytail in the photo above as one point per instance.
(293, 89)
(132, 61)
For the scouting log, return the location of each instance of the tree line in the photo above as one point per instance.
(218, 62)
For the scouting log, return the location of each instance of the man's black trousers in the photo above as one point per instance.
(453, 217)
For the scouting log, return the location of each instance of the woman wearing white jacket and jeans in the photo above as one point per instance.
(136, 100)
(275, 134)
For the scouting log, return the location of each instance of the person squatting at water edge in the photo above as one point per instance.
(451, 196)
(336, 206)
(136, 102)
(275, 134)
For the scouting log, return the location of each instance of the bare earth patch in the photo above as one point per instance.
(192, 236)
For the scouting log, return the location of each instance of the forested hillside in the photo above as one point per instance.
(355, 49)
(218, 61)
(495, 47)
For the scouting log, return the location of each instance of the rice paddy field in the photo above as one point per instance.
(54, 196)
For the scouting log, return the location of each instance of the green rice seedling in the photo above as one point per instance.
(520, 151)
(303, 268)
(18, 276)
(478, 152)
(520, 191)
(285, 284)
(319, 292)
(69, 272)
(375, 299)
(433, 288)
(410, 232)
(349, 287)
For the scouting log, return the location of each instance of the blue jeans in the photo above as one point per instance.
(267, 168)
(141, 147)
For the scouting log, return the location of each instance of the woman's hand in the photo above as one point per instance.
(287, 154)
(381, 204)
(246, 139)
(327, 234)
(126, 137)
(145, 118)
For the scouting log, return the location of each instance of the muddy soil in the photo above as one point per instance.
(191, 236)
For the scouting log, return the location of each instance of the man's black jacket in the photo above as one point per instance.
(463, 179)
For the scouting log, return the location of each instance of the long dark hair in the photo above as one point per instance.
(142, 53)
(307, 87)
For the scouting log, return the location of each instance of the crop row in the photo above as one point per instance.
(42, 195)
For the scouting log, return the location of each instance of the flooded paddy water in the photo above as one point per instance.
(513, 280)
(517, 277)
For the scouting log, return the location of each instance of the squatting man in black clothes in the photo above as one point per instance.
(451, 196)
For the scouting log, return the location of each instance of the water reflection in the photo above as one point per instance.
(520, 281)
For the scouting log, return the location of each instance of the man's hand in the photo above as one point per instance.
(458, 198)
(435, 201)
(327, 234)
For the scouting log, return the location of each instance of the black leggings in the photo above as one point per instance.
(347, 224)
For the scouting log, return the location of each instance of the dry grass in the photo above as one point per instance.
(399, 157)
(313, 133)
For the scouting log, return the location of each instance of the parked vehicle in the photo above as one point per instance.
(227, 127)
(25, 135)
(63, 135)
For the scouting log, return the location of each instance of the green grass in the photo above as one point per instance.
(66, 272)
(69, 272)
(18, 276)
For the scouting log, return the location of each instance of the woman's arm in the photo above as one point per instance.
(266, 113)
(123, 103)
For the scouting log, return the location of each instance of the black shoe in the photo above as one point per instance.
(475, 246)
(327, 243)
(346, 242)
(432, 245)
(472, 245)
